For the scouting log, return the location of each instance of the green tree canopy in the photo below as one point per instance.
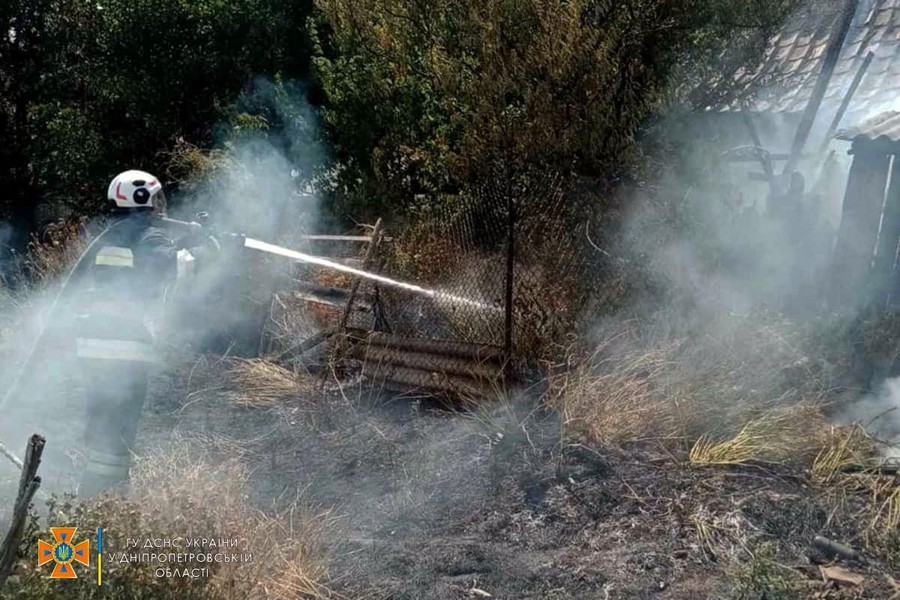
(91, 87)
(421, 95)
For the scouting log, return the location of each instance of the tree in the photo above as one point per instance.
(91, 88)
(422, 96)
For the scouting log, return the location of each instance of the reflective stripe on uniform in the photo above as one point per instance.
(125, 350)
(115, 256)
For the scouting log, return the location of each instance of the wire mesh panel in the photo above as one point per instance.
(454, 250)
(504, 264)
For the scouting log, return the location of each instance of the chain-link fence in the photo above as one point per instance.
(509, 264)
(474, 282)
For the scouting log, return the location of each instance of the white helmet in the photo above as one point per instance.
(135, 189)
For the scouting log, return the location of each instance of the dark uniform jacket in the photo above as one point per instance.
(123, 289)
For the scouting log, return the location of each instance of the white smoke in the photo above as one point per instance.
(263, 187)
(879, 413)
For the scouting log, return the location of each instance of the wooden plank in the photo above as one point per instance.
(358, 306)
(886, 253)
(336, 238)
(845, 103)
(341, 238)
(858, 233)
(832, 53)
(367, 261)
(307, 344)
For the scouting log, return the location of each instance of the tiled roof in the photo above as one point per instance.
(794, 59)
(883, 126)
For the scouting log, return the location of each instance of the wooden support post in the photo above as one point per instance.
(888, 238)
(28, 487)
(848, 97)
(832, 53)
(858, 233)
(370, 254)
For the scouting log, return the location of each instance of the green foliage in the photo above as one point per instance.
(422, 97)
(91, 88)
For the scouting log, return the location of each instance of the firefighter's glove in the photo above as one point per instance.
(208, 250)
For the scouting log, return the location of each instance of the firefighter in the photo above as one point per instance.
(115, 329)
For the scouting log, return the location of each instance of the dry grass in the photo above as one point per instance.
(176, 495)
(189, 164)
(723, 396)
(614, 399)
(729, 397)
(288, 556)
(291, 321)
(52, 254)
(846, 446)
(259, 383)
(840, 469)
(792, 434)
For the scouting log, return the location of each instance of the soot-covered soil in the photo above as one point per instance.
(441, 504)
(438, 504)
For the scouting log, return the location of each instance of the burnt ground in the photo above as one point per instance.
(440, 504)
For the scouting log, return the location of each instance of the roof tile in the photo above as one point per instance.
(794, 58)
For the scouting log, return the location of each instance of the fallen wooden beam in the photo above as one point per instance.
(358, 306)
(307, 344)
(321, 290)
